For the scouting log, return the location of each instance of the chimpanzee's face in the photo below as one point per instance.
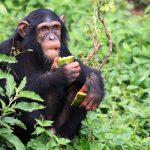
(48, 36)
(43, 33)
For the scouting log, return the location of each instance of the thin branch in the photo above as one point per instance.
(93, 34)
(107, 32)
(97, 45)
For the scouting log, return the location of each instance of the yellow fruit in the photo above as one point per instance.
(80, 96)
(65, 60)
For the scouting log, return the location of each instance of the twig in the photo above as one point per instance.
(97, 45)
(107, 32)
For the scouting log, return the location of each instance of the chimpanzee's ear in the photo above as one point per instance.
(62, 18)
(22, 27)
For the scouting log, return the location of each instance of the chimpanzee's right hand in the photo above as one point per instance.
(71, 71)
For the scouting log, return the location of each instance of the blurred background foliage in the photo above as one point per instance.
(123, 120)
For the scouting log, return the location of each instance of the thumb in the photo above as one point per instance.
(84, 88)
(55, 64)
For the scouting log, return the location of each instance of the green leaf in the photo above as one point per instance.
(147, 10)
(132, 87)
(7, 59)
(14, 140)
(63, 141)
(3, 9)
(51, 144)
(2, 75)
(146, 140)
(2, 124)
(3, 104)
(12, 121)
(5, 131)
(141, 60)
(44, 123)
(29, 106)
(10, 85)
(36, 145)
(30, 95)
(50, 134)
(22, 85)
(39, 130)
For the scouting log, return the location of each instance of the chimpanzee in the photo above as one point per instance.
(45, 34)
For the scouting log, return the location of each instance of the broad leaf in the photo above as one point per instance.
(132, 87)
(5, 131)
(44, 123)
(36, 145)
(3, 104)
(12, 121)
(30, 95)
(14, 140)
(3, 9)
(3, 124)
(10, 85)
(7, 59)
(29, 106)
(63, 141)
(2, 75)
(22, 85)
(52, 145)
(39, 130)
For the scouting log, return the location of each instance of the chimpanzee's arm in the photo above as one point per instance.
(49, 81)
(96, 87)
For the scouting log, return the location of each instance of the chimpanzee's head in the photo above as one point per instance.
(45, 33)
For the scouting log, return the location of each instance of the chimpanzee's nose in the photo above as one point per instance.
(52, 37)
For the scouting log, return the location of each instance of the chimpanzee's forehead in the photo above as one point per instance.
(41, 15)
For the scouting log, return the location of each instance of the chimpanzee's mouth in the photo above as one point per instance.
(53, 49)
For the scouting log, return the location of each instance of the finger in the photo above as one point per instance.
(85, 102)
(72, 65)
(74, 76)
(89, 106)
(94, 107)
(72, 71)
(84, 89)
(55, 64)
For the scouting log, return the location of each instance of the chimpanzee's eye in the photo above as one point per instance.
(44, 28)
(56, 27)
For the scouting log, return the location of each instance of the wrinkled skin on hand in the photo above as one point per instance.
(92, 100)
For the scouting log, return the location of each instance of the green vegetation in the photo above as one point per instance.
(123, 120)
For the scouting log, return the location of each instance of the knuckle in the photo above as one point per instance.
(78, 74)
(77, 63)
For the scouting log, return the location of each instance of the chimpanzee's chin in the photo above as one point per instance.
(48, 61)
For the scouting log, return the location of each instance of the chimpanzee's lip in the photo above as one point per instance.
(53, 49)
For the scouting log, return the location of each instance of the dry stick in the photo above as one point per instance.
(97, 45)
(107, 32)
(92, 36)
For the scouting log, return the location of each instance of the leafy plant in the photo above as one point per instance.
(10, 103)
(44, 138)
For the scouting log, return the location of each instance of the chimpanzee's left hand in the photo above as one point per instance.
(94, 92)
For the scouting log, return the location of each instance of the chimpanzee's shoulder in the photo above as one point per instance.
(6, 46)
